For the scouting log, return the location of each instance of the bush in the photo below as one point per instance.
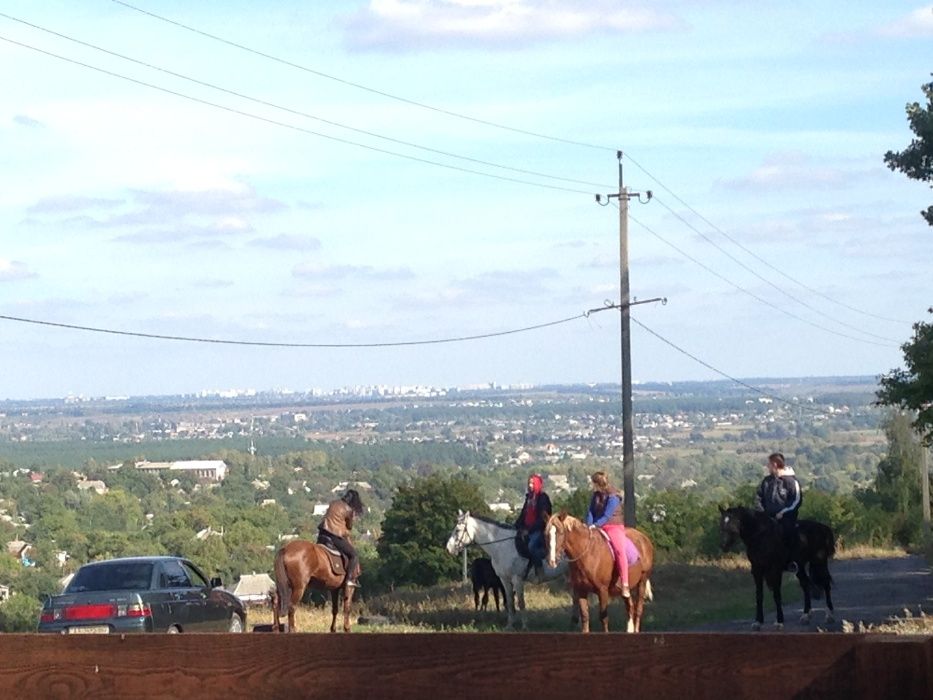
(19, 613)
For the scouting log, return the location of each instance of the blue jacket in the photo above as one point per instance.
(610, 513)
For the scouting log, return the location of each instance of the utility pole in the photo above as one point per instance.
(925, 490)
(628, 430)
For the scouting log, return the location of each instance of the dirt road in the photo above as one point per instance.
(870, 591)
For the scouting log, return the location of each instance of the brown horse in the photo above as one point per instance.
(593, 570)
(300, 564)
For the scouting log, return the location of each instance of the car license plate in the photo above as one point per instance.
(89, 629)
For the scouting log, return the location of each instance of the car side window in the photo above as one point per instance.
(174, 576)
(196, 577)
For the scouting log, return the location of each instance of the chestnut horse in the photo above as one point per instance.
(593, 569)
(300, 564)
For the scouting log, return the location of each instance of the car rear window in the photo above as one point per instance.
(122, 576)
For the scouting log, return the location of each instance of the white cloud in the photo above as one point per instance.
(918, 23)
(14, 270)
(408, 24)
(795, 171)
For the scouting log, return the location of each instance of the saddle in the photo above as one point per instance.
(338, 562)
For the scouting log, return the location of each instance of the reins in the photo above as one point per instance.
(589, 542)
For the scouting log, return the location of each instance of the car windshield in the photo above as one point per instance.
(115, 576)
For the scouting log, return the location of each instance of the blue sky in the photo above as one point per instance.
(404, 170)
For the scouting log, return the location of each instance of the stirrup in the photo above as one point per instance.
(626, 591)
(353, 584)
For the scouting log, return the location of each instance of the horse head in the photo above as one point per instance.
(730, 526)
(555, 533)
(463, 533)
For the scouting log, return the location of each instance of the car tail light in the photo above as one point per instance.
(48, 616)
(134, 610)
(89, 612)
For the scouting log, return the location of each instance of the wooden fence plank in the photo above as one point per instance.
(476, 666)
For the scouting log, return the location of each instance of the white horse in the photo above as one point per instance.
(498, 541)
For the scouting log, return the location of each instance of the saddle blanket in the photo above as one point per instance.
(631, 551)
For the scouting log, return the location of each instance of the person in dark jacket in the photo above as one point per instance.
(779, 496)
(334, 530)
(531, 521)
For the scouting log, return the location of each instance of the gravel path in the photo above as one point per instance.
(868, 591)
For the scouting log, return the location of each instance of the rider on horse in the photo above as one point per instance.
(779, 496)
(334, 530)
(605, 512)
(530, 522)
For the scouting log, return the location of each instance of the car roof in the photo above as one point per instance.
(139, 560)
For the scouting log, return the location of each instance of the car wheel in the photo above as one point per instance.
(236, 624)
(173, 630)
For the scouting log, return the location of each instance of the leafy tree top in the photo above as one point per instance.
(911, 388)
(916, 160)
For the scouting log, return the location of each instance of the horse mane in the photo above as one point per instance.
(490, 521)
(570, 522)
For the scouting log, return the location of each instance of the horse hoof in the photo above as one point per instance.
(756, 626)
(805, 619)
(778, 625)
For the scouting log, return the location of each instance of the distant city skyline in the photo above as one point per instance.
(402, 193)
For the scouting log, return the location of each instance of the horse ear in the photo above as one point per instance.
(459, 513)
(721, 509)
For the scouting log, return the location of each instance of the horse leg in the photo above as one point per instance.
(509, 602)
(582, 601)
(603, 595)
(520, 595)
(639, 602)
(759, 602)
(775, 585)
(485, 602)
(347, 602)
(805, 585)
(334, 595)
(495, 594)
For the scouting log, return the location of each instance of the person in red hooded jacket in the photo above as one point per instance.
(531, 521)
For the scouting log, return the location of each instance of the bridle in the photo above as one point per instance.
(589, 543)
(464, 538)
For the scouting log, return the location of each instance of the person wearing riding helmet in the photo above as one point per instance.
(780, 497)
(605, 512)
(334, 530)
(532, 519)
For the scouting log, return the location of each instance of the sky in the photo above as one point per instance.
(332, 187)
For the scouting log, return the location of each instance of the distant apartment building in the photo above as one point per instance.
(210, 469)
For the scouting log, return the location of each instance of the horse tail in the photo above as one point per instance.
(649, 591)
(282, 584)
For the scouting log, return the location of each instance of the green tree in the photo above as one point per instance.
(417, 525)
(916, 161)
(912, 388)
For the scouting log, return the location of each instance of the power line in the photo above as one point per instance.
(293, 127)
(504, 127)
(783, 273)
(765, 279)
(696, 359)
(219, 341)
(752, 294)
(295, 111)
(359, 86)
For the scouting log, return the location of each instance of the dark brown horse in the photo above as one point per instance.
(764, 546)
(300, 564)
(593, 569)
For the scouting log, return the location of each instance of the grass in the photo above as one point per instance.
(686, 595)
